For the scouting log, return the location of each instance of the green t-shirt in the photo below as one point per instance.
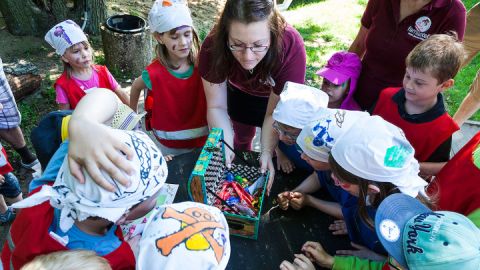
(184, 75)
(355, 263)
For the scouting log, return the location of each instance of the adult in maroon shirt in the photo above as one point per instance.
(389, 31)
(244, 63)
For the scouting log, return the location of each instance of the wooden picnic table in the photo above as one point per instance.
(281, 233)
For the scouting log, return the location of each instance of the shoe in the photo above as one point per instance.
(7, 217)
(29, 165)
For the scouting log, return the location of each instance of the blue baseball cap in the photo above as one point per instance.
(419, 238)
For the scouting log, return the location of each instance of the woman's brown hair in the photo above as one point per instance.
(162, 52)
(385, 188)
(247, 11)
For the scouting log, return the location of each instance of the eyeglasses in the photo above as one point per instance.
(393, 264)
(242, 48)
(276, 126)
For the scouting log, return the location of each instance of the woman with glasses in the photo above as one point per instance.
(244, 63)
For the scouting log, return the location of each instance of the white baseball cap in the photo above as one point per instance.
(298, 104)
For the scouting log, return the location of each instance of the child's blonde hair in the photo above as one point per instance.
(67, 67)
(441, 54)
(162, 51)
(68, 260)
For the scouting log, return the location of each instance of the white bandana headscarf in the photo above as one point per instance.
(185, 235)
(318, 137)
(376, 150)
(79, 201)
(298, 104)
(64, 35)
(166, 15)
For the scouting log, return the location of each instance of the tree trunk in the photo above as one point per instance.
(36, 17)
(97, 14)
(24, 85)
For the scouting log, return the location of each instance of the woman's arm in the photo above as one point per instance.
(269, 140)
(137, 86)
(92, 145)
(217, 114)
(358, 45)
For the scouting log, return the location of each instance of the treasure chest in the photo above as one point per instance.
(238, 191)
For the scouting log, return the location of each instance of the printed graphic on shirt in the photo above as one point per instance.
(196, 231)
(422, 25)
(389, 230)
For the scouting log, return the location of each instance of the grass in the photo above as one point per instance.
(328, 26)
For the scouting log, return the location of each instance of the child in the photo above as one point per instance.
(418, 107)
(71, 215)
(177, 115)
(79, 74)
(340, 77)
(68, 260)
(315, 142)
(185, 235)
(297, 105)
(370, 162)
(9, 188)
(415, 238)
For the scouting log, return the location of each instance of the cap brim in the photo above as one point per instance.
(396, 210)
(333, 76)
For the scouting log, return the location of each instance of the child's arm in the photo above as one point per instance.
(122, 95)
(431, 168)
(137, 86)
(92, 145)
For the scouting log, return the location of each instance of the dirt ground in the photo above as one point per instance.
(15, 49)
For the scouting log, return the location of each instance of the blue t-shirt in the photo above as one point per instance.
(78, 239)
(53, 166)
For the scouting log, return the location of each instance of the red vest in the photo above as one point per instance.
(424, 137)
(74, 92)
(29, 237)
(457, 185)
(179, 108)
(7, 167)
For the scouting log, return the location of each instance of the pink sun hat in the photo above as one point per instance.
(341, 67)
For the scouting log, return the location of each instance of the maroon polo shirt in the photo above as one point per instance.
(291, 67)
(389, 41)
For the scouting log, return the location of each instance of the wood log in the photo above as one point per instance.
(24, 85)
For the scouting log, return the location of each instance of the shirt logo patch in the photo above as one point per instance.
(421, 26)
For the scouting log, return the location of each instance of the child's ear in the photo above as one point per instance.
(64, 59)
(158, 37)
(372, 189)
(447, 84)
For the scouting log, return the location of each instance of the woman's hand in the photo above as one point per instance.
(266, 163)
(94, 147)
(315, 252)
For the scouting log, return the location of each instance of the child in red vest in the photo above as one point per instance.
(71, 215)
(9, 188)
(418, 108)
(80, 74)
(175, 102)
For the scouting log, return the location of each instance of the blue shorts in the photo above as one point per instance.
(10, 188)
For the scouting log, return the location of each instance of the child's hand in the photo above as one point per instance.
(338, 227)
(1, 106)
(283, 200)
(362, 252)
(315, 252)
(301, 262)
(168, 157)
(297, 200)
(134, 243)
(2, 179)
(94, 147)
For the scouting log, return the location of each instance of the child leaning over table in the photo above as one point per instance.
(71, 215)
(418, 108)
